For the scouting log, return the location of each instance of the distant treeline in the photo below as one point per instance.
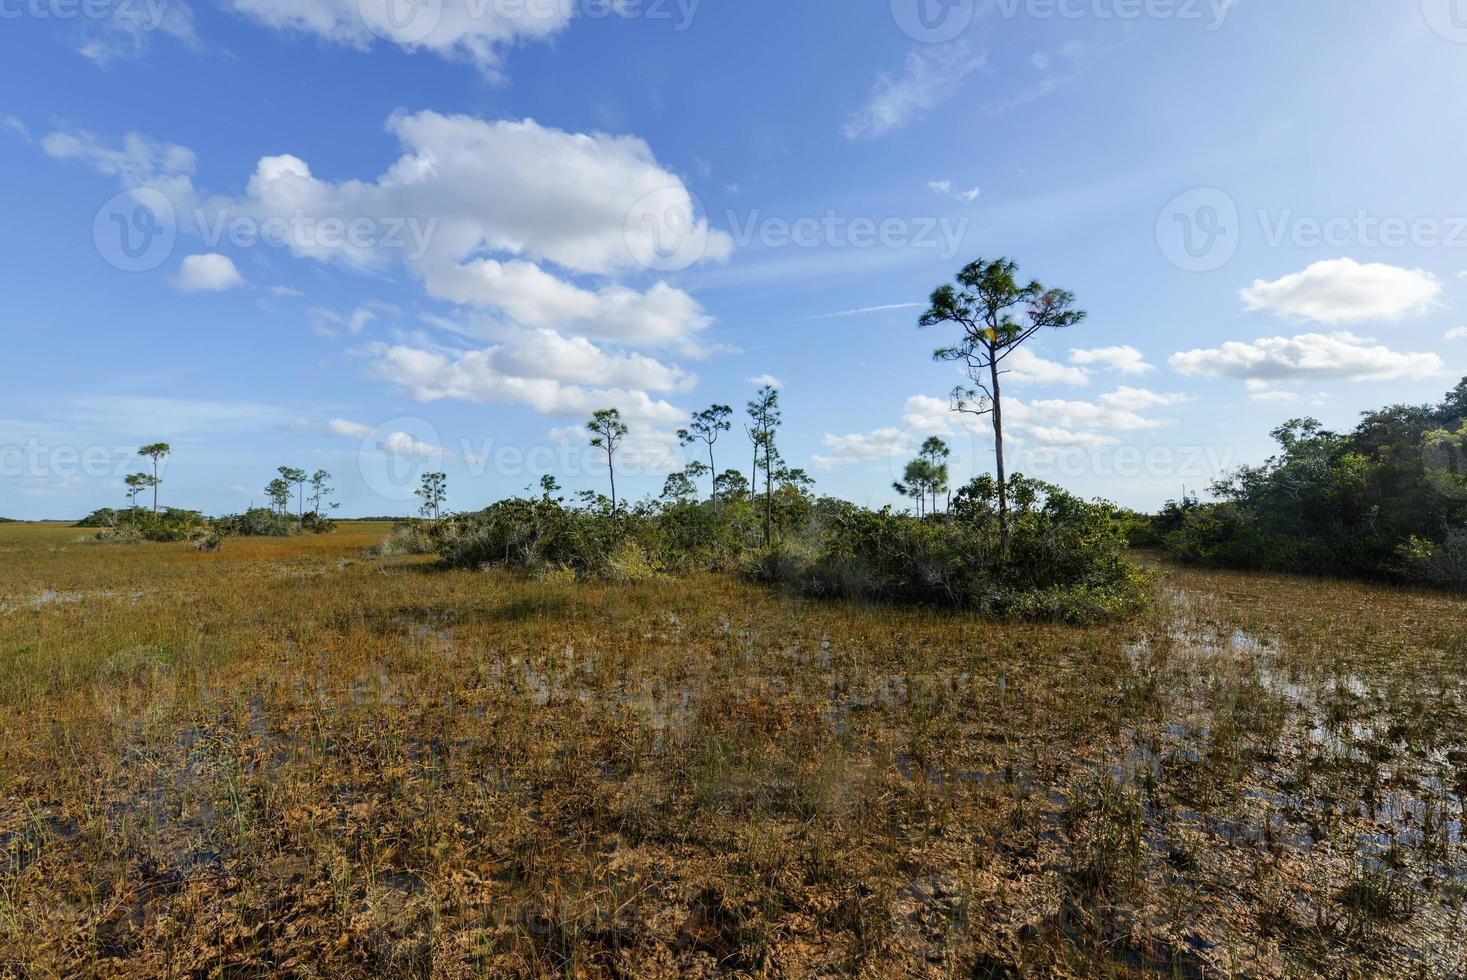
(1387, 500)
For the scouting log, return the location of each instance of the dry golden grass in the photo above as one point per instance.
(290, 758)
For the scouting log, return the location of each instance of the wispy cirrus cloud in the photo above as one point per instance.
(929, 77)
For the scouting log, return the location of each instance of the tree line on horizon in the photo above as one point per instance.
(1370, 502)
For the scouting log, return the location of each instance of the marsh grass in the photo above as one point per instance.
(292, 757)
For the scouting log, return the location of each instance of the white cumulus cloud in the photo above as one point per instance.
(534, 231)
(207, 273)
(1337, 356)
(485, 376)
(1124, 359)
(1346, 291)
(1025, 366)
(858, 447)
(466, 30)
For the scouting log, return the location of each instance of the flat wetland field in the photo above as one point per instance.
(290, 757)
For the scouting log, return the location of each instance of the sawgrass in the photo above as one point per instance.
(290, 757)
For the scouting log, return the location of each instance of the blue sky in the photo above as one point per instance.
(438, 240)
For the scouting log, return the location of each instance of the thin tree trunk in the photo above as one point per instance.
(712, 475)
(155, 487)
(611, 470)
(754, 474)
(768, 492)
(1003, 490)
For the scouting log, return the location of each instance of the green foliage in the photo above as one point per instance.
(592, 541)
(1387, 500)
(996, 314)
(434, 494)
(102, 517)
(278, 491)
(262, 522)
(1138, 529)
(409, 537)
(258, 522)
(138, 524)
(1063, 559)
(607, 432)
(925, 477)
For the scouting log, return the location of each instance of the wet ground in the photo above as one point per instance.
(292, 758)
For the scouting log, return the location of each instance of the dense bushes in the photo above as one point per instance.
(170, 524)
(545, 536)
(1387, 500)
(263, 522)
(173, 524)
(257, 522)
(1062, 561)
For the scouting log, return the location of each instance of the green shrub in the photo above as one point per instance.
(262, 522)
(170, 524)
(104, 517)
(258, 522)
(410, 537)
(1062, 561)
(1380, 501)
(1440, 563)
